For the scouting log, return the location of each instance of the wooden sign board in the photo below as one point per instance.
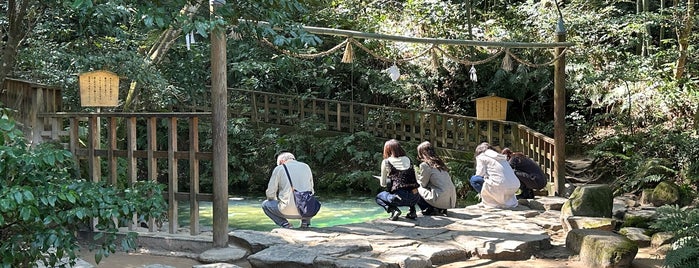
(99, 89)
(491, 108)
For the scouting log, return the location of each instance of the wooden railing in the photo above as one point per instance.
(447, 131)
(30, 99)
(85, 139)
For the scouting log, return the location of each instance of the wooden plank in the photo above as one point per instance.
(111, 140)
(131, 138)
(172, 175)
(131, 160)
(351, 118)
(338, 118)
(94, 171)
(151, 161)
(74, 142)
(193, 176)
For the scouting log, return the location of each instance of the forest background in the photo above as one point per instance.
(631, 90)
(631, 77)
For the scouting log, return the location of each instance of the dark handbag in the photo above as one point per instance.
(306, 203)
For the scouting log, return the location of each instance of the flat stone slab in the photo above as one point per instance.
(487, 233)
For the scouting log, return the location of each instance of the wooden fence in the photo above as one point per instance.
(456, 133)
(93, 139)
(28, 100)
(109, 137)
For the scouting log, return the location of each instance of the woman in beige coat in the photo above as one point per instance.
(436, 188)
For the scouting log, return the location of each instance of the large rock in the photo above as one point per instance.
(589, 201)
(641, 218)
(599, 248)
(666, 193)
(227, 254)
(283, 256)
(661, 238)
(637, 235)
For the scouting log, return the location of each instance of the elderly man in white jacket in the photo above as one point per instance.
(280, 204)
(494, 180)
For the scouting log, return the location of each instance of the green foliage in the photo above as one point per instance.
(461, 172)
(684, 224)
(641, 160)
(42, 206)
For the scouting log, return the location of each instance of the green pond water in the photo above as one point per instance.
(246, 212)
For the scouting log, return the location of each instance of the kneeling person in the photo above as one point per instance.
(530, 175)
(280, 204)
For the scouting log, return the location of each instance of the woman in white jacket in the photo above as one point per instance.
(494, 180)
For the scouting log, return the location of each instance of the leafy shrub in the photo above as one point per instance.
(641, 160)
(684, 224)
(42, 206)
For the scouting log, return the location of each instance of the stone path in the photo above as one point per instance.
(467, 237)
(465, 233)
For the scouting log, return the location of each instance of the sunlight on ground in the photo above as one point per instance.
(246, 213)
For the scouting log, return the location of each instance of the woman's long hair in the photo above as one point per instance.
(426, 153)
(392, 148)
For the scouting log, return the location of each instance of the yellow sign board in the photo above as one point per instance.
(491, 108)
(99, 89)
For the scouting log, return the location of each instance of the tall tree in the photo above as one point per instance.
(20, 21)
(683, 35)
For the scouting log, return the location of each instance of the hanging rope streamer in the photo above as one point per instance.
(533, 65)
(468, 62)
(348, 55)
(306, 56)
(507, 61)
(373, 54)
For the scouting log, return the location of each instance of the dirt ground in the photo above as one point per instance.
(644, 259)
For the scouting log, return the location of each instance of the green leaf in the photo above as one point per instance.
(80, 213)
(98, 256)
(50, 159)
(71, 197)
(18, 197)
(28, 196)
(25, 213)
(6, 125)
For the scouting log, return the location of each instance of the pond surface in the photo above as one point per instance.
(245, 212)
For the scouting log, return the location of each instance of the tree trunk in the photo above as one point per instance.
(158, 51)
(683, 39)
(18, 27)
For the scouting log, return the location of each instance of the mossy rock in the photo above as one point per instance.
(598, 248)
(666, 193)
(589, 201)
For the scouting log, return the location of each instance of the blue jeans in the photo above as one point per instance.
(271, 209)
(477, 183)
(407, 198)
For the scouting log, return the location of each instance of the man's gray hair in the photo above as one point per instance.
(481, 148)
(284, 157)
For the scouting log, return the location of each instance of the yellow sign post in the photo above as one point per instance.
(491, 108)
(99, 89)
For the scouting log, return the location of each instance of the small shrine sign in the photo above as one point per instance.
(491, 108)
(99, 89)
